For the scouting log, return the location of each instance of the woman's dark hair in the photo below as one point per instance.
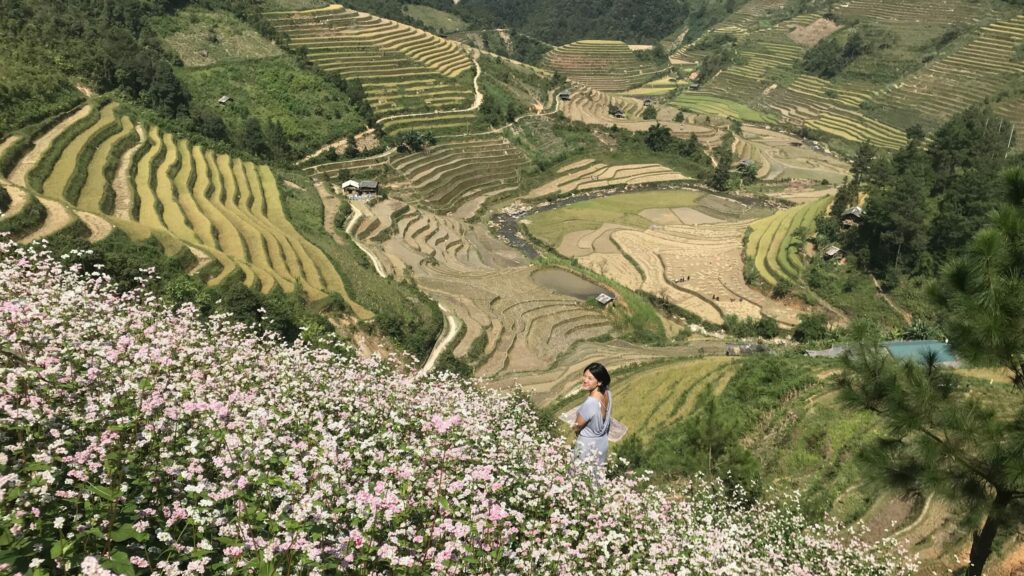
(599, 372)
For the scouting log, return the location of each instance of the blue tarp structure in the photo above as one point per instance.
(919, 350)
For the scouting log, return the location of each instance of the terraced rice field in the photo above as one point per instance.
(681, 245)
(648, 400)
(588, 174)
(657, 87)
(776, 243)
(834, 116)
(591, 107)
(744, 19)
(976, 70)
(718, 106)
(607, 65)
(779, 155)
(436, 123)
(458, 175)
(331, 169)
(403, 69)
(563, 377)
(511, 323)
(1013, 110)
(920, 16)
(223, 209)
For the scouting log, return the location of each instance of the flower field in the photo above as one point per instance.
(140, 439)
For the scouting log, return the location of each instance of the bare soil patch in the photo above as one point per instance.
(813, 33)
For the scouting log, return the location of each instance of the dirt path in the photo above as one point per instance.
(58, 217)
(331, 205)
(98, 226)
(349, 225)
(342, 144)
(18, 198)
(478, 100)
(7, 143)
(902, 313)
(122, 180)
(41, 145)
(452, 326)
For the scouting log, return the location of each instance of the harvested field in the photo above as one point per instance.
(512, 324)
(812, 33)
(597, 175)
(458, 175)
(601, 64)
(54, 184)
(591, 107)
(680, 245)
(781, 156)
(619, 210)
(402, 69)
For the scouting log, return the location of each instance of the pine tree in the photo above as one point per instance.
(942, 435)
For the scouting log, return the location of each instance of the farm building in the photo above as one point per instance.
(605, 299)
(833, 252)
(223, 100)
(368, 186)
(648, 101)
(852, 216)
(565, 95)
(350, 186)
(616, 111)
(694, 85)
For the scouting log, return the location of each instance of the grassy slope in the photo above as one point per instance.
(310, 110)
(192, 32)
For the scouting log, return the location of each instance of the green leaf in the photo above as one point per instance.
(444, 502)
(57, 550)
(120, 563)
(103, 492)
(126, 531)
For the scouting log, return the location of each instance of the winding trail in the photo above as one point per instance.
(452, 326)
(353, 219)
(902, 313)
(340, 145)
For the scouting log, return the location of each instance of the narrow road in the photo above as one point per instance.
(452, 326)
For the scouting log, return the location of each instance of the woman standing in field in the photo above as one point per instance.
(594, 417)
